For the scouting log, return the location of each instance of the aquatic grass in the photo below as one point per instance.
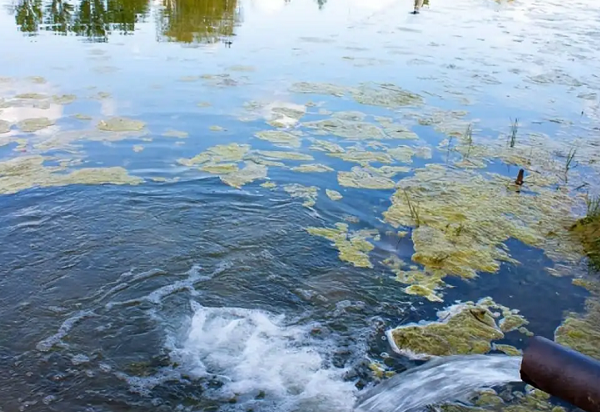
(570, 163)
(514, 130)
(469, 138)
(413, 209)
(593, 207)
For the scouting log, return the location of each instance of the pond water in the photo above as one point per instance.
(230, 205)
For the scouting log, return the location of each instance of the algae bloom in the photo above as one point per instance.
(353, 247)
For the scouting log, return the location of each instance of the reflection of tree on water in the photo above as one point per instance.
(28, 15)
(94, 19)
(205, 21)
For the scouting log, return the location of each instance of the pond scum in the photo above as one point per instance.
(458, 215)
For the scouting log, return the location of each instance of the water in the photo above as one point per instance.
(441, 380)
(183, 293)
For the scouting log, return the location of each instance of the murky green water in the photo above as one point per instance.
(220, 205)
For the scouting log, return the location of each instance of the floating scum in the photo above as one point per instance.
(462, 220)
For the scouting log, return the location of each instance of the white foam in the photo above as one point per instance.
(255, 352)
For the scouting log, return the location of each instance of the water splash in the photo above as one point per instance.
(264, 363)
(440, 380)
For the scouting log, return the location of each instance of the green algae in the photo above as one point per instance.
(423, 291)
(138, 148)
(175, 133)
(64, 99)
(203, 104)
(512, 322)
(269, 185)
(318, 88)
(249, 173)
(388, 171)
(22, 173)
(587, 232)
(385, 95)
(362, 178)
(286, 116)
(325, 146)
(333, 194)
(353, 247)
(83, 117)
(582, 331)
(33, 96)
(308, 193)
(121, 124)
(312, 168)
(348, 129)
(216, 128)
(4, 126)
(65, 140)
(282, 155)
(427, 283)
(462, 329)
(463, 220)
(363, 157)
(279, 138)
(403, 154)
(508, 350)
(220, 168)
(217, 154)
(34, 125)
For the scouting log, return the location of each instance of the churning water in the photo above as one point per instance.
(440, 380)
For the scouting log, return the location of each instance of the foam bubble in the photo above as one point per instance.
(256, 354)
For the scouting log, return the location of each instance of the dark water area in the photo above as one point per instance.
(139, 274)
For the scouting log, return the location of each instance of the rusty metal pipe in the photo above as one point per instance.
(562, 372)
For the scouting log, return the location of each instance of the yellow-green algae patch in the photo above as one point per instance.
(385, 95)
(388, 171)
(312, 168)
(175, 133)
(26, 172)
(463, 329)
(427, 283)
(582, 331)
(363, 157)
(138, 148)
(220, 168)
(402, 154)
(269, 185)
(587, 231)
(326, 146)
(121, 124)
(361, 178)
(508, 350)
(222, 160)
(34, 125)
(308, 193)
(318, 88)
(333, 194)
(249, 173)
(281, 155)
(279, 138)
(84, 117)
(353, 247)
(462, 220)
(221, 153)
(34, 96)
(216, 128)
(348, 129)
(64, 99)
(4, 126)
